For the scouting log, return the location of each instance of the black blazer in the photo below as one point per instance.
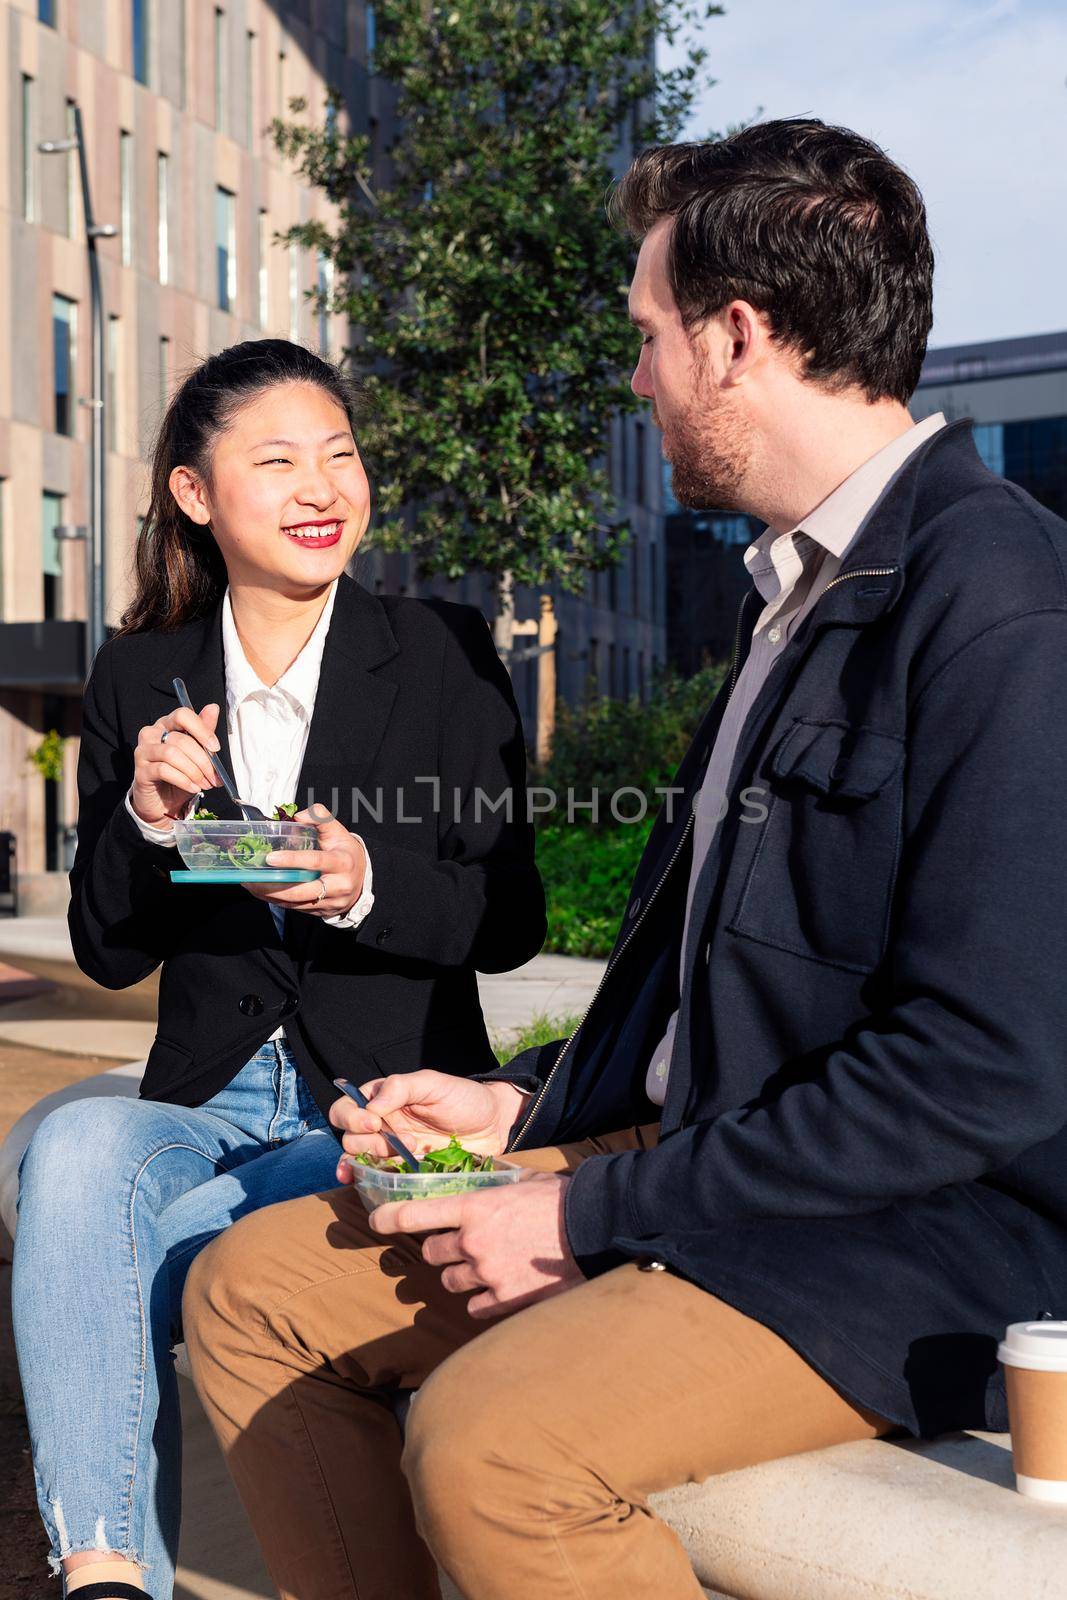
(409, 690)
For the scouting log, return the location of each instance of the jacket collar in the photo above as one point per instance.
(880, 548)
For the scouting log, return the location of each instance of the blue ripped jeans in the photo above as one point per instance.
(116, 1198)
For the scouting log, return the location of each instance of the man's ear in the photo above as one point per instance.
(187, 489)
(744, 339)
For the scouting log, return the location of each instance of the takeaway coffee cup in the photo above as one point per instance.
(1034, 1355)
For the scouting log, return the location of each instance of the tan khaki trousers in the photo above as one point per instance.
(534, 1442)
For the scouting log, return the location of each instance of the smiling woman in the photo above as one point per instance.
(305, 684)
(232, 472)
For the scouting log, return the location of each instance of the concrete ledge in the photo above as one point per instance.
(874, 1521)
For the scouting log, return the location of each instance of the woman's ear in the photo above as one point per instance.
(187, 489)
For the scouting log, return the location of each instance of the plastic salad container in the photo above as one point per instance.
(379, 1185)
(227, 846)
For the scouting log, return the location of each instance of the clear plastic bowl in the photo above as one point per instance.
(239, 846)
(378, 1186)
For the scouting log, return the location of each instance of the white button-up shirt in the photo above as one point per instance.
(268, 729)
(790, 571)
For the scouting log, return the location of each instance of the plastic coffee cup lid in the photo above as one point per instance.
(1041, 1346)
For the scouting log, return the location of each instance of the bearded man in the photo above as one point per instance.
(805, 1157)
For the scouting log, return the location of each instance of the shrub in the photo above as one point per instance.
(587, 874)
(614, 744)
(605, 746)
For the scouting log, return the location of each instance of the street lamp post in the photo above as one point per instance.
(95, 605)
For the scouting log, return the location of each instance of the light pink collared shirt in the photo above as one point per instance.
(790, 570)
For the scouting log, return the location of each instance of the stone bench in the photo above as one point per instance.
(876, 1521)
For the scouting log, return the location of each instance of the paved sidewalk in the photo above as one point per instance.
(82, 1019)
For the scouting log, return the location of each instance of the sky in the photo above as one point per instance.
(970, 96)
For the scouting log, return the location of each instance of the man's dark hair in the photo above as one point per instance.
(813, 225)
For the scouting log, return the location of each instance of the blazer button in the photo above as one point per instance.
(382, 936)
(251, 1005)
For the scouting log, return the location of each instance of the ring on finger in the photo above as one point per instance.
(164, 736)
(322, 892)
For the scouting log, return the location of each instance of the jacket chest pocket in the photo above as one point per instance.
(820, 881)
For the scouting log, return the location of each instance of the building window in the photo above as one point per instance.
(639, 463)
(989, 442)
(592, 681)
(225, 249)
(139, 31)
(163, 214)
(372, 36)
(46, 12)
(627, 687)
(126, 195)
(325, 286)
(114, 376)
(63, 334)
(264, 269)
(250, 88)
(51, 564)
(613, 687)
(164, 371)
(294, 290)
(29, 149)
(641, 675)
(220, 64)
(653, 581)
(635, 572)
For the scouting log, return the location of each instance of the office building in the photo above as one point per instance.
(1015, 390)
(175, 97)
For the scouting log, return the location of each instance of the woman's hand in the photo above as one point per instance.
(424, 1108)
(166, 771)
(340, 860)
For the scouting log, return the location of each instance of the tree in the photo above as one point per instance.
(486, 284)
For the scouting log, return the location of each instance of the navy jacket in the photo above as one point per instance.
(864, 1142)
(410, 691)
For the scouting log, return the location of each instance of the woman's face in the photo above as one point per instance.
(288, 500)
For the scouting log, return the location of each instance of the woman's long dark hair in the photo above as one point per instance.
(180, 573)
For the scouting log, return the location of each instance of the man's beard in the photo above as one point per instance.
(709, 450)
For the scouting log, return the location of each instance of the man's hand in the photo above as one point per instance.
(424, 1108)
(509, 1244)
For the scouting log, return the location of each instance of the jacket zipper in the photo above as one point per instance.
(860, 572)
(524, 1130)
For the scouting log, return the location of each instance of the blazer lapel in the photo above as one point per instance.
(352, 705)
